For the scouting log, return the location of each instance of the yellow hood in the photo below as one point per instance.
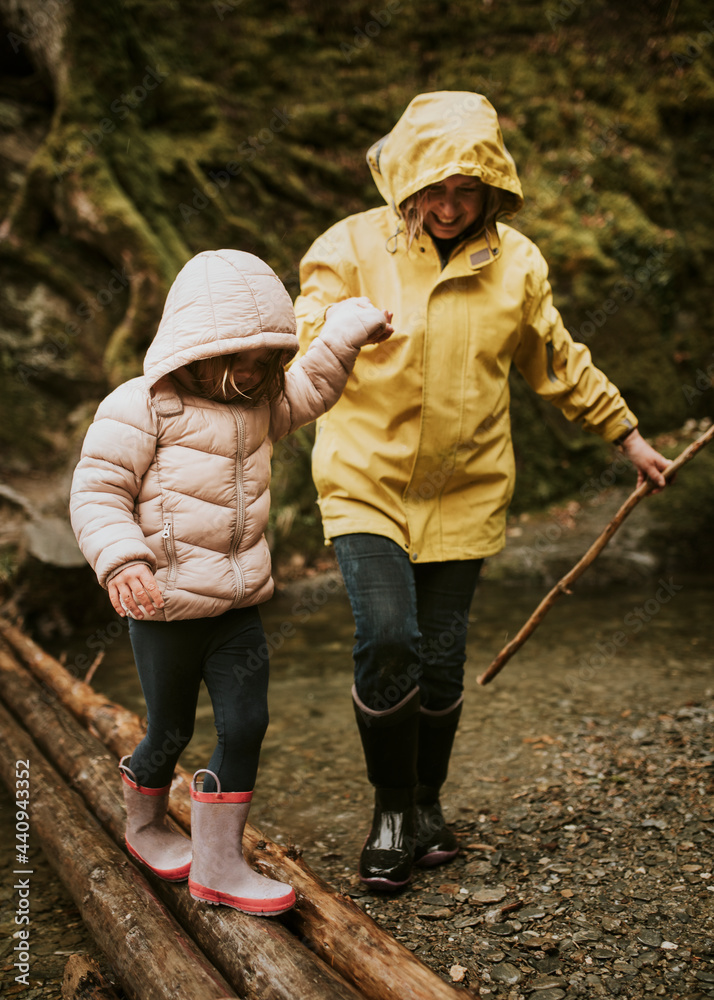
(440, 134)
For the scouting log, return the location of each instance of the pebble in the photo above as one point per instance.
(489, 894)
(506, 973)
(651, 938)
(545, 983)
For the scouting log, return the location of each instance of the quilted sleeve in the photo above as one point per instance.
(117, 451)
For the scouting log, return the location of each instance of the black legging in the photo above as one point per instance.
(230, 653)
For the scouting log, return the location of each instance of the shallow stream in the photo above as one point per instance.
(597, 654)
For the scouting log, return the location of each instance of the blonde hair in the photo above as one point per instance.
(496, 203)
(214, 378)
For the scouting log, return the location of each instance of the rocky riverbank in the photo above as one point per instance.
(581, 787)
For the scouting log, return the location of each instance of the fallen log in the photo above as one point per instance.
(259, 958)
(563, 585)
(152, 957)
(83, 980)
(334, 927)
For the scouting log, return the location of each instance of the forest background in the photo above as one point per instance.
(135, 134)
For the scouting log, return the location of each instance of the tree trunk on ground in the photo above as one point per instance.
(83, 980)
(260, 958)
(145, 946)
(337, 930)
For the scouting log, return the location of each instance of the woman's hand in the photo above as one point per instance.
(648, 462)
(135, 592)
(360, 322)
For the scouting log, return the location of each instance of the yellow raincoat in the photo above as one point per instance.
(418, 448)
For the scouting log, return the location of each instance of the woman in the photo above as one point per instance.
(414, 466)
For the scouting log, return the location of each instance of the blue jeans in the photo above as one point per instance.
(411, 621)
(230, 654)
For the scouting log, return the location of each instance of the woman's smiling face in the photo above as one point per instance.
(452, 205)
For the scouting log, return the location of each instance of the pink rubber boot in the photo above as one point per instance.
(149, 836)
(219, 872)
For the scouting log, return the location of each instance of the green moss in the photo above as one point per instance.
(31, 417)
(612, 138)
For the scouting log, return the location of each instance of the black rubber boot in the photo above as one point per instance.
(435, 843)
(389, 740)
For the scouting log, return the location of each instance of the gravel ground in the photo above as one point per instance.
(597, 882)
(581, 791)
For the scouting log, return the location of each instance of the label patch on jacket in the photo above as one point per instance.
(479, 257)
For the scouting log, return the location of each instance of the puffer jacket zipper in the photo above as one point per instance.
(240, 505)
(168, 536)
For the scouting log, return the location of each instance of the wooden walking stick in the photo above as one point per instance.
(563, 585)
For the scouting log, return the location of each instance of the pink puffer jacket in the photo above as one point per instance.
(180, 482)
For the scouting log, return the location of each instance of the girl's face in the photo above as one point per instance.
(226, 378)
(452, 205)
(249, 367)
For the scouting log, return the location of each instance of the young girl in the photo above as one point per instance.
(169, 504)
(414, 466)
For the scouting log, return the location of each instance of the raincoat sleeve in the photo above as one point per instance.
(323, 281)
(562, 371)
(117, 451)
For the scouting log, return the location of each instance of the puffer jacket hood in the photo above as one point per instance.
(180, 482)
(221, 302)
(441, 134)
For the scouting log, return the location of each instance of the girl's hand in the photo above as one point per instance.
(135, 592)
(379, 336)
(359, 322)
(648, 462)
